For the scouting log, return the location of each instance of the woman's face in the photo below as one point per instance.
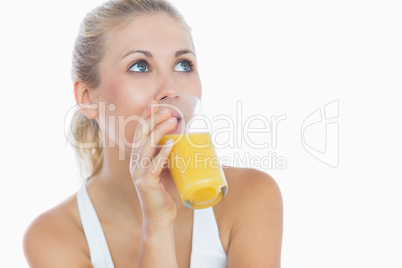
(153, 57)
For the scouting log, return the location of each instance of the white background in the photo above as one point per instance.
(279, 58)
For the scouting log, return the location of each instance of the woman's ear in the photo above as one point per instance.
(83, 100)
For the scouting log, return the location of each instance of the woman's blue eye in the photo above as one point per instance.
(182, 66)
(139, 67)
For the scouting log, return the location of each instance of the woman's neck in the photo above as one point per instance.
(113, 188)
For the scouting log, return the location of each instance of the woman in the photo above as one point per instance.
(130, 53)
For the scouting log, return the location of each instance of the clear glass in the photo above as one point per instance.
(193, 161)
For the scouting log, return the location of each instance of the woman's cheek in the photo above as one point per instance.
(191, 84)
(127, 129)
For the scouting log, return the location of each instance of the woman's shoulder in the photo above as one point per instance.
(245, 186)
(248, 183)
(55, 238)
(250, 192)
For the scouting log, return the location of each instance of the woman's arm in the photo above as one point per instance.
(158, 207)
(256, 236)
(157, 247)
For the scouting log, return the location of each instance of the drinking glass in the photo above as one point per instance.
(193, 162)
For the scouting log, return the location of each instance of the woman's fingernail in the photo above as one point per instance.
(171, 120)
(164, 111)
(169, 142)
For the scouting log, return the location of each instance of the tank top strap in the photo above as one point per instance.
(99, 251)
(207, 249)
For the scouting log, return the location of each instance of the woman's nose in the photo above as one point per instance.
(167, 87)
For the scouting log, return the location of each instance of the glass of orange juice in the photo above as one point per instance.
(193, 161)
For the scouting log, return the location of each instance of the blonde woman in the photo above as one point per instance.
(128, 54)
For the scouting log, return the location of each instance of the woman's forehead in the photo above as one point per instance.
(158, 33)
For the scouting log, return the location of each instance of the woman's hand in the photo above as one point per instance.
(146, 165)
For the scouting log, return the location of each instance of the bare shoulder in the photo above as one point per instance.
(251, 185)
(256, 218)
(55, 238)
(248, 176)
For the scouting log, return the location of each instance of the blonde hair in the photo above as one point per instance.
(88, 52)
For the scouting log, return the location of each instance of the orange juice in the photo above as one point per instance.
(195, 169)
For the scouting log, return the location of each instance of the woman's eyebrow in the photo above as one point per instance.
(146, 53)
(149, 54)
(182, 52)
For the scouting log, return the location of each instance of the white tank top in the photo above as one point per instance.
(207, 250)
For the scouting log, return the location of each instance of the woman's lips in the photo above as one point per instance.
(174, 113)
